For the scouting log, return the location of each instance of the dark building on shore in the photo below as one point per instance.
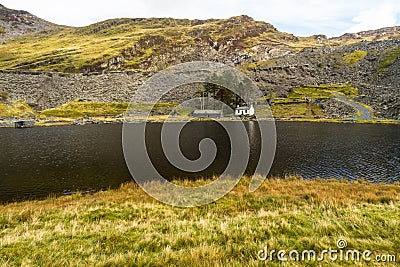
(215, 114)
(24, 123)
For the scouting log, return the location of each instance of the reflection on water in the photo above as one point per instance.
(37, 162)
(330, 150)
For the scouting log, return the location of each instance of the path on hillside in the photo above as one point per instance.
(366, 114)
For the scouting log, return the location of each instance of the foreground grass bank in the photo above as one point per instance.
(126, 227)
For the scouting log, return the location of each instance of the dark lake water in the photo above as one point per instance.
(37, 162)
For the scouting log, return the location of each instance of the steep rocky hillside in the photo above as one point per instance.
(372, 35)
(372, 67)
(18, 22)
(277, 61)
(147, 44)
(153, 44)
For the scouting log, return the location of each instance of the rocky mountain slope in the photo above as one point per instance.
(372, 35)
(18, 22)
(277, 61)
(372, 67)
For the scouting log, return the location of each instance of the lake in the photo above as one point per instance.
(38, 162)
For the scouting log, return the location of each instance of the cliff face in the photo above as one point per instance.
(277, 61)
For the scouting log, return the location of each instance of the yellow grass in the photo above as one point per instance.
(125, 227)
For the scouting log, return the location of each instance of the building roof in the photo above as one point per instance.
(243, 108)
(207, 112)
(24, 121)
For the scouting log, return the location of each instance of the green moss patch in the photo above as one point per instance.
(354, 57)
(388, 59)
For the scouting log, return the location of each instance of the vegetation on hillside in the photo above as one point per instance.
(388, 59)
(298, 110)
(156, 43)
(260, 64)
(297, 105)
(18, 109)
(354, 57)
(323, 91)
(3, 97)
(79, 109)
(121, 44)
(126, 227)
(130, 42)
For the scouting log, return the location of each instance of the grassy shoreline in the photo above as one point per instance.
(293, 108)
(125, 227)
(162, 118)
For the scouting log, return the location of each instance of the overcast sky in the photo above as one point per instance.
(301, 17)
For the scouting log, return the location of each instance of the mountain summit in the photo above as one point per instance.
(18, 22)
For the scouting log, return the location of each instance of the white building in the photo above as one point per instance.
(244, 111)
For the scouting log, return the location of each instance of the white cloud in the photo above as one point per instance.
(376, 17)
(301, 17)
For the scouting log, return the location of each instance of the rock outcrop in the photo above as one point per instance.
(18, 22)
